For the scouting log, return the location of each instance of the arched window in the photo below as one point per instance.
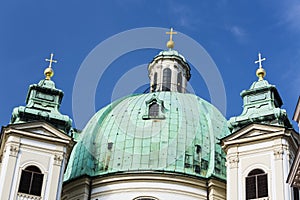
(154, 86)
(154, 110)
(31, 181)
(166, 80)
(145, 198)
(256, 184)
(179, 82)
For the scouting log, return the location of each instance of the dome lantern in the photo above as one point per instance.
(169, 71)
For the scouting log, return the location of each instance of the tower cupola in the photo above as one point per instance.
(43, 103)
(169, 71)
(262, 104)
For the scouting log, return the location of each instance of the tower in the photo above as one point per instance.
(35, 146)
(261, 146)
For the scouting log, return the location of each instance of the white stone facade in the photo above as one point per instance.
(265, 147)
(33, 144)
(177, 69)
(154, 185)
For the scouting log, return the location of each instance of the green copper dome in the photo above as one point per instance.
(171, 53)
(162, 131)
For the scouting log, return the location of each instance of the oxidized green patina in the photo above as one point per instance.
(262, 104)
(42, 103)
(183, 137)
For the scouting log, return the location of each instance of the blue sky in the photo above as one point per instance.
(232, 33)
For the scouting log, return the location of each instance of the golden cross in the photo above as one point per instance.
(171, 33)
(51, 60)
(260, 60)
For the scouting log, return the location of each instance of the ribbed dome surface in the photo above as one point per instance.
(170, 53)
(124, 136)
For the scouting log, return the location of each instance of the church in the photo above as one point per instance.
(160, 145)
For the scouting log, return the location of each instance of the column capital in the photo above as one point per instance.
(58, 159)
(233, 161)
(278, 153)
(13, 150)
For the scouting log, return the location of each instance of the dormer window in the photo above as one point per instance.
(155, 109)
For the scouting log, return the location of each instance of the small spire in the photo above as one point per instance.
(49, 71)
(260, 72)
(170, 43)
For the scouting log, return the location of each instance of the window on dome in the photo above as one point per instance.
(166, 80)
(155, 109)
(179, 82)
(256, 184)
(31, 181)
(110, 145)
(197, 158)
(188, 160)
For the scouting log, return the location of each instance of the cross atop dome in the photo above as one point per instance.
(260, 72)
(49, 71)
(260, 60)
(51, 60)
(170, 43)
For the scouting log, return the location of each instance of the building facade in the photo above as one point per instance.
(36, 145)
(165, 144)
(261, 148)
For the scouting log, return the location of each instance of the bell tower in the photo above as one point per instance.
(35, 146)
(262, 145)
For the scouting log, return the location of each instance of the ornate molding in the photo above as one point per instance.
(28, 196)
(233, 161)
(13, 150)
(58, 159)
(278, 153)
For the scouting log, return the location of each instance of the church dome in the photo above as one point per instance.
(159, 131)
(171, 53)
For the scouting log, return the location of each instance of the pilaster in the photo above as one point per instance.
(232, 174)
(8, 170)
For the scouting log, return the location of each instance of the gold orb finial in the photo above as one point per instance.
(260, 72)
(170, 43)
(49, 71)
